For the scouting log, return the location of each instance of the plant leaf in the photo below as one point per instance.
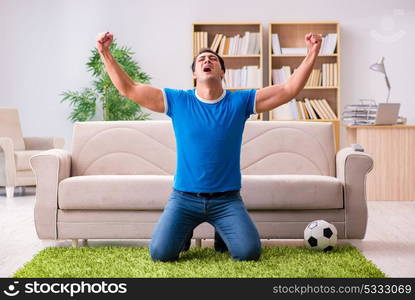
(116, 106)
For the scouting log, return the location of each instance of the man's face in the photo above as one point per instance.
(207, 66)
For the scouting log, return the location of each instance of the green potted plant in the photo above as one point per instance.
(114, 105)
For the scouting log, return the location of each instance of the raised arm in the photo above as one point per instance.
(145, 95)
(273, 96)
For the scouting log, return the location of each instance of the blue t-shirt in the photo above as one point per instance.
(208, 138)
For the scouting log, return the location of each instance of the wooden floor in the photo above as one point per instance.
(389, 241)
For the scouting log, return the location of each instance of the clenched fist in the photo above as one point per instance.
(104, 41)
(313, 42)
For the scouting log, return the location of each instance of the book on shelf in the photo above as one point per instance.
(307, 116)
(293, 108)
(301, 113)
(276, 48)
(331, 69)
(227, 44)
(335, 75)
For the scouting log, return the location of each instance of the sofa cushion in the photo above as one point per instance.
(22, 159)
(115, 192)
(151, 192)
(262, 192)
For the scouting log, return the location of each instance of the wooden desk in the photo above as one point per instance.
(393, 152)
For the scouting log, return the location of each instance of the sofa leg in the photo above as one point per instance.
(198, 243)
(74, 243)
(84, 242)
(9, 191)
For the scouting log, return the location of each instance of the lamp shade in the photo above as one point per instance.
(379, 66)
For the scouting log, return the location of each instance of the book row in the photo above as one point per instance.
(247, 77)
(327, 76)
(308, 109)
(248, 44)
(328, 46)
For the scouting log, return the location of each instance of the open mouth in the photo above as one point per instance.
(207, 69)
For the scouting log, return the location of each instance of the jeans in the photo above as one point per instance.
(184, 212)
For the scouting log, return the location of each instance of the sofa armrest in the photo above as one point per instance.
(43, 143)
(50, 168)
(351, 168)
(7, 163)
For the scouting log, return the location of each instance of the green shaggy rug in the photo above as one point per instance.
(282, 261)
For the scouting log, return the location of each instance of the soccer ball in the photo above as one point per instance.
(320, 235)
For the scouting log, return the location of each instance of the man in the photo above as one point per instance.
(208, 123)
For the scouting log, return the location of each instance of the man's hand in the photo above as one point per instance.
(104, 41)
(313, 42)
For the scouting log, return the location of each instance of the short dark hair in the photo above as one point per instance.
(203, 50)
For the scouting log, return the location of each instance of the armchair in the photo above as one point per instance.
(16, 151)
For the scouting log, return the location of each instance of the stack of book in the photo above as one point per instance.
(247, 77)
(328, 46)
(360, 114)
(308, 109)
(249, 44)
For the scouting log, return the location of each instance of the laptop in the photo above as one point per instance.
(387, 113)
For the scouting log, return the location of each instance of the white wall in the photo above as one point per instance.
(45, 44)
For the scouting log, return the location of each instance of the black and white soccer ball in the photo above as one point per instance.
(320, 235)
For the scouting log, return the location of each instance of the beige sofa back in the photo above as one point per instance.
(275, 148)
(149, 148)
(10, 127)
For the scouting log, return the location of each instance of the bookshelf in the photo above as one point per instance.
(291, 35)
(240, 58)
